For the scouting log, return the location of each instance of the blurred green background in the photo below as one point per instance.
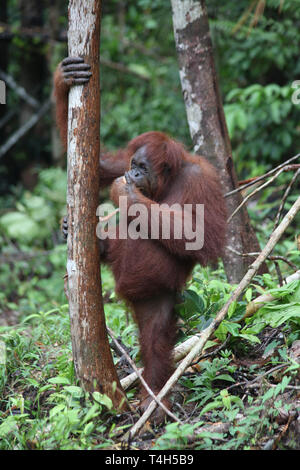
(257, 59)
(140, 83)
(140, 91)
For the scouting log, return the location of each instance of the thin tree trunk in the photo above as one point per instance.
(206, 120)
(92, 356)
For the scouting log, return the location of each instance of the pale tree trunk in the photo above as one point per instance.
(207, 123)
(92, 356)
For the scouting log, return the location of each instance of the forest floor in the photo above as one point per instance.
(237, 395)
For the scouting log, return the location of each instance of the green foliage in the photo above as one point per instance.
(256, 69)
(203, 298)
(41, 404)
(176, 436)
(140, 83)
(262, 121)
(45, 408)
(204, 384)
(234, 424)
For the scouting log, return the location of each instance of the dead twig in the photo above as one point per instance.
(13, 139)
(264, 185)
(286, 193)
(253, 180)
(132, 364)
(37, 33)
(21, 256)
(106, 218)
(262, 177)
(256, 381)
(7, 117)
(10, 81)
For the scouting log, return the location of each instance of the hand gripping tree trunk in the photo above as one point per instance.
(92, 356)
(207, 123)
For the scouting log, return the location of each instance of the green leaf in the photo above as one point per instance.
(226, 399)
(211, 406)
(250, 338)
(103, 400)
(248, 294)
(269, 394)
(241, 119)
(93, 412)
(232, 328)
(232, 308)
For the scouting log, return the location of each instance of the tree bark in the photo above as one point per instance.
(207, 123)
(92, 356)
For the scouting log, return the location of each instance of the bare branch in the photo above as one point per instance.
(43, 35)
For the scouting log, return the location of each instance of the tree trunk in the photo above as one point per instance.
(92, 356)
(207, 123)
